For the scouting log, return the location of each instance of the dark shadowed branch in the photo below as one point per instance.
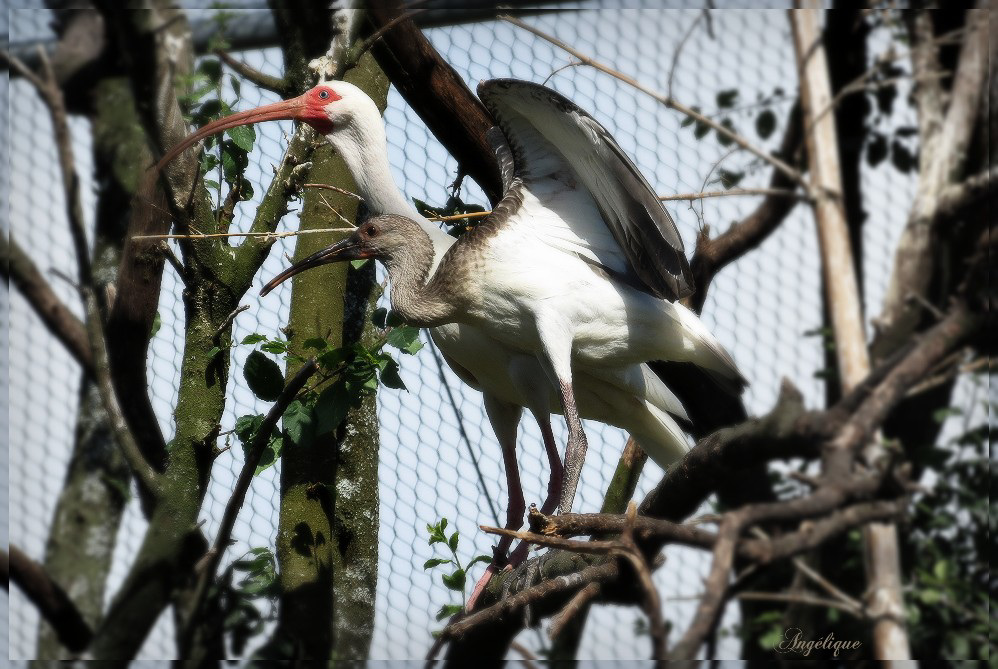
(53, 603)
(60, 321)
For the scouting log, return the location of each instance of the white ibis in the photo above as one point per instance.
(541, 276)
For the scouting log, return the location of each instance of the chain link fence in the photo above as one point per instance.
(435, 438)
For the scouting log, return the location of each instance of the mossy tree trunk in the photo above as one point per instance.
(88, 513)
(328, 526)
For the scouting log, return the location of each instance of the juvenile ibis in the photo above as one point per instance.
(555, 301)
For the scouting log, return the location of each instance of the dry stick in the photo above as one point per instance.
(48, 89)
(803, 599)
(881, 542)
(778, 192)
(669, 102)
(208, 564)
(653, 603)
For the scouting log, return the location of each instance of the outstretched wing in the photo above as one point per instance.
(537, 120)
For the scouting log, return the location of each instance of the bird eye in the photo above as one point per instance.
(372, 231)
(323, 95)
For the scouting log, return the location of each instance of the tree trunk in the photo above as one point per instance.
(82, 538)
(328, 525)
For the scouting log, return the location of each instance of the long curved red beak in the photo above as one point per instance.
(295, 109)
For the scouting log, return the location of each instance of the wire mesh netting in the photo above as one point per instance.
(435, 437)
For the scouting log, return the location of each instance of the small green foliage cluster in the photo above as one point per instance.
(457, 579)
(353, 372)
(200, 95)
(727, 106)
(951, 545)
(242, 618)
(455, 206)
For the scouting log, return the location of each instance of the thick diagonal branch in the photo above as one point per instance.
(60, 321)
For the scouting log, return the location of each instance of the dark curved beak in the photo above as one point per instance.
(347, 249)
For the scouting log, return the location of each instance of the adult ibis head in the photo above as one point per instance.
(332, 109)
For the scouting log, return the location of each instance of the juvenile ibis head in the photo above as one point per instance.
(385, 238)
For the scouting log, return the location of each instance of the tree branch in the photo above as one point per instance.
(59, 320)
(51, 94)
(712, 255)
(265, 81)
(52, 601)
(435, 91)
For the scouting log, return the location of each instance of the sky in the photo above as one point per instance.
(435, 438)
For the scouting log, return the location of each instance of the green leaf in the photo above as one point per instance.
(234, 161)
(157, 322)
(727, 98)
(299, 423)
(876, 149)
(903, 159)
(723, 139)
(236, 84)
(275, 346)
(390, 376)
(242, 136)
(331, 408)
(729, 179)
(211, 184)
(317, 343)
(254, 338)
(700, 130)
(263, 376)
(212, 69)
(405, 338)
(435, 562)
(454, 539)
(454, 581)
(487, 559)
(689, 120)
(765, 123)
(357, 264)
(209, 161)
(447, 610)
(246, 426)
(213, 351)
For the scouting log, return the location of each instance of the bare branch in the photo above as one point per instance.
(59, 320)
(775, 192)
(52, 601)
(265, 81)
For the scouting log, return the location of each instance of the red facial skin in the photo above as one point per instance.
(307, 108)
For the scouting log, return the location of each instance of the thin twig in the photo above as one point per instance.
(679, 50)
(669, 102)
(778, 192)
(528, 658)
(209, 563)
(228, 320)
(337, 189)
(274, 235)
(801, 599)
